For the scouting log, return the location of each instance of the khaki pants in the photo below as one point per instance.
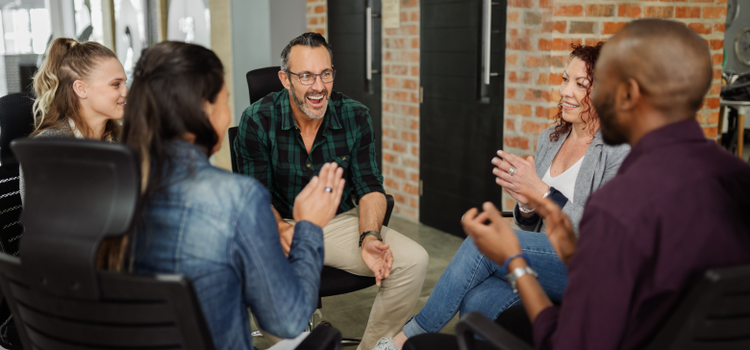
(398, 293)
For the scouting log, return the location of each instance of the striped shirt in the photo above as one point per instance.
(269, 148)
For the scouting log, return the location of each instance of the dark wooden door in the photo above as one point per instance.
(347, 34)
(461, 124)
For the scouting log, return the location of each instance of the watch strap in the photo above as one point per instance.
(369, 233)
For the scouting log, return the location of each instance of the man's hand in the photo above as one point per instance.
(286, 233)
(320, 199)
(560, 231)
(378, 257)
(491, 233)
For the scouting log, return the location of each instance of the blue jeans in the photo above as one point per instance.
(471, 282)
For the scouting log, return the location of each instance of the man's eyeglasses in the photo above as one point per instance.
(308, 79)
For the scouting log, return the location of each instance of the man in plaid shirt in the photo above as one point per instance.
(283, 141)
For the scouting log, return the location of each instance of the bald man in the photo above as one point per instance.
(677, 207)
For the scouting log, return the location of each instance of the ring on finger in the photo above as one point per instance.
(328, 189)
(512, 170)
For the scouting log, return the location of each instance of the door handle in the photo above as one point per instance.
(486, 42)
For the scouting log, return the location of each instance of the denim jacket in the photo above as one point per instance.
(217, 229)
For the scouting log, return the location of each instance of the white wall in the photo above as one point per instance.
(288, 20)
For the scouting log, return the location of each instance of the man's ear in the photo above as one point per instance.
(284, 78)
(628, 95)
(79, 87)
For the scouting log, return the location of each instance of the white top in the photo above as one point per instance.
(565, 182)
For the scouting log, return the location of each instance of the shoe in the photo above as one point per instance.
(385, 344)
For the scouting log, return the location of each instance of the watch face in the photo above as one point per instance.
(742, 46)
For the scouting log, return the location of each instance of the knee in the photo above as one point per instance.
(416, 259)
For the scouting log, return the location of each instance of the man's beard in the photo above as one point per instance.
(611, 133)
(303, 107)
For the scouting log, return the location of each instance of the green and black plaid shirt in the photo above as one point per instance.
(269, 148)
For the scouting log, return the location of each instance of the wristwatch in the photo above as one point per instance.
(519, 272)
(369, 233)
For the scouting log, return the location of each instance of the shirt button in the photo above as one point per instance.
(308, 165)
(343, 158)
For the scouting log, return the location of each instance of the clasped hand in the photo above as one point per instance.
(524, 179)
(378, 257)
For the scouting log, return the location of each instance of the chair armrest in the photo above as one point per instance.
(388, 209)
(323, 337)
(494, 335)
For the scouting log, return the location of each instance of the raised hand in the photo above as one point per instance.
(320, 199)
(491, 233)
(560, 231)
(518, 176)
(378, 257)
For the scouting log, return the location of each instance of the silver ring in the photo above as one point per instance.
(328, 189)
(512, 170)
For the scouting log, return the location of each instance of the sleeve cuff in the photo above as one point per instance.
(557, 197)
(545, 326)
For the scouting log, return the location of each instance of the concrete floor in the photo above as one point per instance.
(349, 312)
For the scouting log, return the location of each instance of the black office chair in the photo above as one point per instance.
(16, 121)
(79, 193)
(715, 314)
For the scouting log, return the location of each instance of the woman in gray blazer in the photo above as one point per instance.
(571, 162)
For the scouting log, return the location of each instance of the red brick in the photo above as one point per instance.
(414, 125)
(511, 59)
(543, 79)
(593, 41)
(510, 124)
(524, 110)
(415, 151)
(391, 82)
(555, 78)
(713, 118)
(687, 12)
(629, 10)
(399, 173)
(564, 44)
(712, 103)
(581, 27)
(411, 189)
(533, 128)
(510, 93)
(520, 3)
(545, 4)
(556, 26)
(517, 142)
(711, 132)
(532, 61)
(313, 21)
(703, 1)
(520, 44)
(533, 95)
(414, 203)
(415, 43)
(567, 10)
(659, 12)
(717, 44)
(409, 3)
(545, 45)
(410, 84)
(715, 12)
(415, 71)
(409, 136)
(717, 73)
(717, 58)
(509, 203)
(389, 158)
(414, 177)
(411, 163)
(612, 27)
(597, 10)
(719, 27)
(391, 183)
(700, 28)
(320, 9)
(414, 17)
(320, 31)
(513, 17)
(399, 198)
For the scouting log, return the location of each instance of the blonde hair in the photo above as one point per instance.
(67, 61)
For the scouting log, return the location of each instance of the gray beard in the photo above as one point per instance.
(303, 107)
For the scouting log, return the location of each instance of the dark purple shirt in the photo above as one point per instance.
(677, 207)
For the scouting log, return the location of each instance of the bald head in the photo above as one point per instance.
(668, 60)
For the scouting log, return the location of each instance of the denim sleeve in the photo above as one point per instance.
(282, 292)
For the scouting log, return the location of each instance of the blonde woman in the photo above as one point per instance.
(80, 92)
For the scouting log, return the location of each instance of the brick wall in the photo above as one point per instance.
(401, 111)
(400, 74)
(317, 17)
(538, 43)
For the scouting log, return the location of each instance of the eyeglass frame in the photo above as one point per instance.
(315, 77)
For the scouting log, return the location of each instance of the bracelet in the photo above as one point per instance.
(524, 210)
(507, 262)
(518, 273)
(546, 194)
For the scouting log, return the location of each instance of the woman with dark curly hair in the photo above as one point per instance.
(571, 162)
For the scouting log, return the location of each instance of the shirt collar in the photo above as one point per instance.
(331, 119)
(680, 132)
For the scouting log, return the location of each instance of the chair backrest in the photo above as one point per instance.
(263, 81)
(715, 314)
(78, 193)
(232, 133)
(16, 121)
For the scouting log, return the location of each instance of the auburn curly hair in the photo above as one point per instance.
(589, 55)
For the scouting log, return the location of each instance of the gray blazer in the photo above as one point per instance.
(599, 165)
